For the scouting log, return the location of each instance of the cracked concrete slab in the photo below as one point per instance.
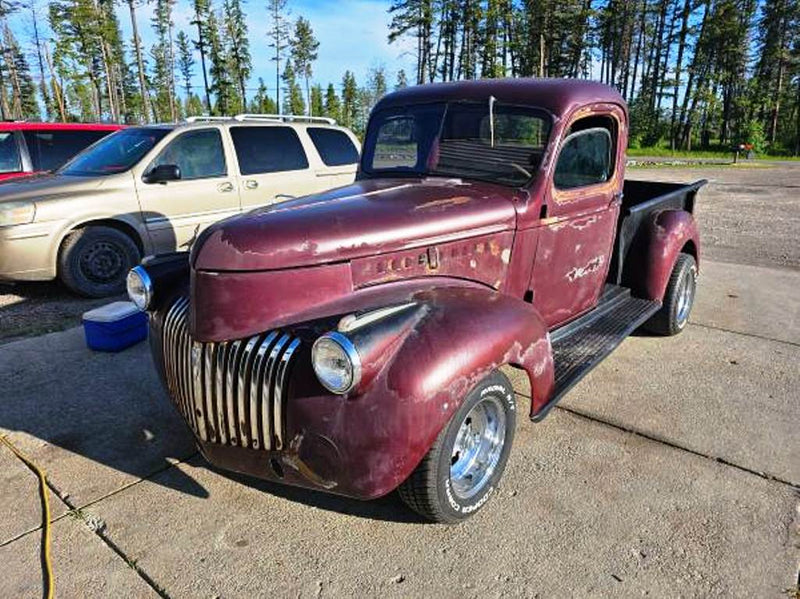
(584, 509)
(83, 566)
(94, 421)
(20, 505)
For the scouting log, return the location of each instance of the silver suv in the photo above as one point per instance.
(152, 189)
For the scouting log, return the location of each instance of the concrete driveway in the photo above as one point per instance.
(672, 470)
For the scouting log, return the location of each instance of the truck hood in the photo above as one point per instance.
(39, 187)
(367, 218)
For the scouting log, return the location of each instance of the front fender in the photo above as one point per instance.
(669, 232)
(439, 350)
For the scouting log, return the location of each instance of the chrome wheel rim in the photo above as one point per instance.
(478, 447)
(685, 298)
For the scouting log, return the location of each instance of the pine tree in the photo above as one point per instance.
(304, 48)
(333, 107)
(402, 80)
(349, 105)
(293, 102)
(316, 103)
(144, 95)
(222, 85)
(278, 33)
(202, 10)
(238, 44)
(262, 103)
(164, 61)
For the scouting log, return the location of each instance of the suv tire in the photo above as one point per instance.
(449, 485)
(94, 261)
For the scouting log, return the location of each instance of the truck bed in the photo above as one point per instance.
(640, 199)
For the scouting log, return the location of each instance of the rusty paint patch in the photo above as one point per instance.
(581, 271)
(454, 201)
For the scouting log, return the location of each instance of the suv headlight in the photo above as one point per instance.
(140, 287)
(16, 213)
(336, 362)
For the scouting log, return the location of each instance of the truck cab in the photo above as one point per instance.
(351, 341)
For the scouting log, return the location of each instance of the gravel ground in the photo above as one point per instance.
(748, 215)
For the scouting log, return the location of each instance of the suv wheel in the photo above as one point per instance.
(461, 471)
(95, 261)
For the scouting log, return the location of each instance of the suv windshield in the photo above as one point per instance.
(503, 144)
(116, 153)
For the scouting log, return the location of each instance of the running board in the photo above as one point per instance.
(582, 344)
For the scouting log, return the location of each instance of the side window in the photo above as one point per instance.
(268, 150)
(586, 154)
(334, 146)
(51, 149)
(9, 153)
(198, 155)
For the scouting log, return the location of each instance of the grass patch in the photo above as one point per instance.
(716, 154)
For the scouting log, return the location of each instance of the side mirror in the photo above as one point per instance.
(163, 173)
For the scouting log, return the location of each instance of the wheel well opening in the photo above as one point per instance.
(113, 224)
(690, 248)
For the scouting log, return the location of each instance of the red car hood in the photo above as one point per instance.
(367, 218)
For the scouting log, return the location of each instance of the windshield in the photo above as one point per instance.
(469, 140)
(116, 153)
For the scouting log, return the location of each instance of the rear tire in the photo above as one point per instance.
(461, 470)
(671, 319)
(94, 261)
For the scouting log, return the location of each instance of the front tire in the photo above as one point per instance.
(94, 261)
(461, 471)
(671, 319)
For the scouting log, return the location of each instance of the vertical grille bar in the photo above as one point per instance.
(280, 388)
(232, 392)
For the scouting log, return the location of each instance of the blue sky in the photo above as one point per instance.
(352, 35)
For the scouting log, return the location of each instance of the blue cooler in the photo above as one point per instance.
(114, 327)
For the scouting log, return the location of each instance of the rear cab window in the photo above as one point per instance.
(49, 150)
(335, 147)
(10, 161)
(261, 150)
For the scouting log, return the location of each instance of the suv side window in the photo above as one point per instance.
(51, 149)
(334, 146)
(198, 154)
(268, 150)
(586, 156)
(9, 153)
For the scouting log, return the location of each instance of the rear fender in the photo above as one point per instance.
(419, 364)
(669, 232)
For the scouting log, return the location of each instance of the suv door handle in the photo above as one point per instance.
(225, 187)
(251, 184)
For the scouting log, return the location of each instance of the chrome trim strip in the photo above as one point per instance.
(256, 376)
(230, 369)
(280, 387)
(219, 384)
(196, 362)
(243, 395)
(267, 386)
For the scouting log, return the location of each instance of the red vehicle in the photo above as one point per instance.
(27, 148)
(351, 341)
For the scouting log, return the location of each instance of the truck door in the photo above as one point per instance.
(273, 165)
(176, 211)
(577, 230)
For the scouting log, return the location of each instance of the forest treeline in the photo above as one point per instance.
(696, 73)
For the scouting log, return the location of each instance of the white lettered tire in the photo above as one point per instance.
(462, 469)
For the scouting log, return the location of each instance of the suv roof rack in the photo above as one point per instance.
(280, 118)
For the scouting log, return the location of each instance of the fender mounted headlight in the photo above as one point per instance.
(140, 287)
(336, 362)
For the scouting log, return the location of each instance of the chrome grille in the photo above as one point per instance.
(231, 392)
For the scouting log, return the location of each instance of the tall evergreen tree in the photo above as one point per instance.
(278, 34)
(202, 12)
(235, 23)
(333, 107)
(304, 48)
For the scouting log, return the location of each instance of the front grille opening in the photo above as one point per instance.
(276, 467)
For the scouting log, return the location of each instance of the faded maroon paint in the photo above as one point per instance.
(469, 255)
(670, 231)
(363, 219)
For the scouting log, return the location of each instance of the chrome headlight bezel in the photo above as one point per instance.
(349, 354)
(21, 212)
(140, 287)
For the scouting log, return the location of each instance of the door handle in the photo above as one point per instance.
(284, 196)
(251, 184)
(225, 187)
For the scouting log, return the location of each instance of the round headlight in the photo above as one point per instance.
(140, 287)
(336, 362)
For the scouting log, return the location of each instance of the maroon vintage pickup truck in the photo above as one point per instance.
(351, 341)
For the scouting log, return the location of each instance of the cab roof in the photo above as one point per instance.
(557, 96)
